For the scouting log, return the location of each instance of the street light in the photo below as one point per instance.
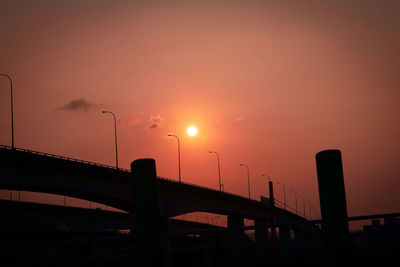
(219, 169)
(12, 121)
(284, 194)
(295, 196)
(12, 108)
(248, 176)
(115, 130)
(304, 206)
(179, 155)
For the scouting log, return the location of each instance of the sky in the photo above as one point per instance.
(267, 83)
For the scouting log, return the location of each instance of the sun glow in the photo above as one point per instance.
(191, 130)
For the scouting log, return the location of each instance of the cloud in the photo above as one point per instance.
(155, 122)
(134, 119)
(77, 105)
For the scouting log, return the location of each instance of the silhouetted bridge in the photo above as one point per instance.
(29, 230)
(33, 171)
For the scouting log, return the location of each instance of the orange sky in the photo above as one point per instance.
(267, 83)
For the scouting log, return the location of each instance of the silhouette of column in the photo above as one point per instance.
(332, 197)
(236, 256)
(284, 232)
(261, 231)
(236, 221)
(146, 213)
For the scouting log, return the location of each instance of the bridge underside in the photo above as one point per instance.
(22, 216)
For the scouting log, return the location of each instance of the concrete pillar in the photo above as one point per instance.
(236, 256)
(146, 213)
(298, 233)
(332, 197)
(236, 221)
(284, 232)
(261, 231)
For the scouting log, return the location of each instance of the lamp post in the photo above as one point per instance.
(304, 206)
(12, 121)
(284, 194)
(219, 169)
(179, 155)
(248, 177)
(115, 130)
(295, 196)
(12, 108)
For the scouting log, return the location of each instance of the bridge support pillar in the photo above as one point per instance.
(236, 221)
(335, 226)
(284, 232)
(261, 231)
(236, 256)
(146, 213)
(261, 234)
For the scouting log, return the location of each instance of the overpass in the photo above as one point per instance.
(27, 170)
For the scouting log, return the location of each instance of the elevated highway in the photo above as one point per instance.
(39, 172)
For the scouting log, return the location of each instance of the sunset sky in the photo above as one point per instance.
(267, 83)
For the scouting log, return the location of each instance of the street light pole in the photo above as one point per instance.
(115, 130)
(284, 194)
(219, 169)
(248, 177)
(295, 196)
(12, 121)
(12, 108)
(179, 155)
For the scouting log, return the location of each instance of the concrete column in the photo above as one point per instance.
(236, 256)
(146, 213)
(261, 232)
(236, 221)
(332, 197)
(284, 232)
(298, 233)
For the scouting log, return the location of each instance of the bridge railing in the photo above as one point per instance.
(281, 205)
(62, 157)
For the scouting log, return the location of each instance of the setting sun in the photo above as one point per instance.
(192, 130)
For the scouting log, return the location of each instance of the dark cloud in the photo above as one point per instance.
(156, 121)
(78, 104)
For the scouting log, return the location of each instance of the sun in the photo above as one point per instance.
(191, 130)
